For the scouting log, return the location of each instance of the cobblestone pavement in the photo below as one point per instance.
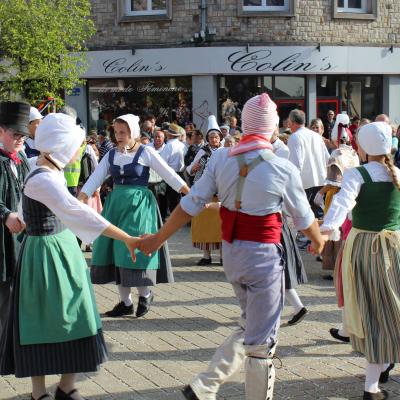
(153, 357)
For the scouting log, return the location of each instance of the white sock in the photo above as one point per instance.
(294, 300)
(372, 373)
(125, 295)
(206, 254)
(343, 330)
(143, 291)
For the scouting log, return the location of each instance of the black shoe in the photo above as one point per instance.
(119, 310)
(45, 396)
(60, 395)
(383, 394)
(204, 261)
(144, 305)
(298, 317)
(327, 277)
(335, 334)
(318, 258)
(189, 394)
(385, 374)
(220, 262)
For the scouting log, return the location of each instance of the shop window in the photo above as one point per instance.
(167, 99)
(287, 91)
(355, 9)
(266, 7)
(144, 10)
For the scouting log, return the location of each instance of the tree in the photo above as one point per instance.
(42, 46)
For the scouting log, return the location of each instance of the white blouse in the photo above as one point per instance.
(50, 189)
(149, 158)
(345, 200)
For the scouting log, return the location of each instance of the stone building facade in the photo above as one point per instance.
(184, 59)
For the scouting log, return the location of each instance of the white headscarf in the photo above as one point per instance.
(133, 123)
(375, 138)
(59, 136)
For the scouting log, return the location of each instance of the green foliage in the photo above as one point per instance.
(41, 46)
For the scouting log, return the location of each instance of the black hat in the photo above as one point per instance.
(15, 115)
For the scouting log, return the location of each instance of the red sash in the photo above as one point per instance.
(253, 228)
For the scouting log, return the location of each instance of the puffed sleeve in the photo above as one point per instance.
(83, 221)
(151, 158)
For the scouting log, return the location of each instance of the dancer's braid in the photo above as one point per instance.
(392, 170)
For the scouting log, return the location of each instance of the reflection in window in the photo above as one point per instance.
(146, 7)
(265, 5)
(287, 91)
(352, 6)
(140, 96)
(289, 86)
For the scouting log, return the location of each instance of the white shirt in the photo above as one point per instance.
(309, 154)
(280, 149)
(154, 177)
(50, 189)
(345, 200)
(173, 154)
(149, 158)
(267, 187)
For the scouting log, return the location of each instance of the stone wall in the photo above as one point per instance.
(313, 22)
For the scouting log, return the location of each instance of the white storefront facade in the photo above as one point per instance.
(189, 83)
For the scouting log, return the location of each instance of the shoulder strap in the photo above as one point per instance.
(365, 175)
(244, 170)
(111, 155)
(138, 153)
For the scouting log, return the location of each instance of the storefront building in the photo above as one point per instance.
(211, 74)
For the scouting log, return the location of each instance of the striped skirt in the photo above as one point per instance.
(377, 290)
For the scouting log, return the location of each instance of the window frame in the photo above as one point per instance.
(369, 11)
(266, 11)
(125, 14)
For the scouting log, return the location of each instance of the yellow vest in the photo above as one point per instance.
(72, 171)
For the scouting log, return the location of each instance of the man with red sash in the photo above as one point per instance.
(252, 185)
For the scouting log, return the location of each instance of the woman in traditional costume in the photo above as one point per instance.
(371, 258)
(53, 326)
(206, 227)
(295, 273)
(132, 207)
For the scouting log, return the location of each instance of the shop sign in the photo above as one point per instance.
(243, 60)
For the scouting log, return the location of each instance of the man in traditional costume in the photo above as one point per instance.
(252, 184)
(14, 119)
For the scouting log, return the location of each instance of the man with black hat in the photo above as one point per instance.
(14, 120)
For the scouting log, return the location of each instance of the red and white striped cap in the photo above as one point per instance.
(259, 116)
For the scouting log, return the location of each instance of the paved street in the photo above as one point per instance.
(153, 357)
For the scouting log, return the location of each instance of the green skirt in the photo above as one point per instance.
(134, 210)
(56, 298)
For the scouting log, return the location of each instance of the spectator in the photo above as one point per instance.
(174, 153)
(382, 118)
(156, 184)
(105, 144)
(309, 154)
(355, 124)
(329, 123)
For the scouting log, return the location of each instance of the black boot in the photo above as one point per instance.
(119, 310)
(382, 395)
(204, 261)
(189, 394)
(385, 374)
(144, 305)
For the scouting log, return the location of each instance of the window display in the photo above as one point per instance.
(168, 99)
